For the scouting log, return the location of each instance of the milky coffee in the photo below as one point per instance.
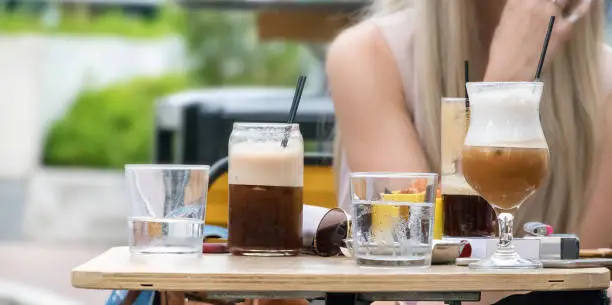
(265, 194)
(506, 156)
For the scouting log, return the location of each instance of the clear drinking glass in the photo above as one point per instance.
(266, 178)
(505, 157)
(167, 208)
(392, 218)
(453, 125)
(466, 214)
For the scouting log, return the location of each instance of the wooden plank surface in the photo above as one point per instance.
(117, 269)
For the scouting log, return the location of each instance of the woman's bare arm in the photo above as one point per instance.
(377, 131)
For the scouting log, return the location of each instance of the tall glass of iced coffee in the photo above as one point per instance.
(466, 214)
(266, 177)
(505, 157)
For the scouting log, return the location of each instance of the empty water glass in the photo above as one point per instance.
(392, 217)
(167, 208)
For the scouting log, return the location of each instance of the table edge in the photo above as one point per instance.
(597, 280)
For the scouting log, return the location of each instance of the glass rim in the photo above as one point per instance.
(167, 167)
(271, 124)
(392, 175)
(498, 84)
(453, 99)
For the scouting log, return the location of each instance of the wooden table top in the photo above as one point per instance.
(118, 269)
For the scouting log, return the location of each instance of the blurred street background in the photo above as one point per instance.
(79, 83)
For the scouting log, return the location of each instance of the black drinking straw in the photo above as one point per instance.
(299, 88)
(466, 71)
(551, 24)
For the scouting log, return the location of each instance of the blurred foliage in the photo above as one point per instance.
(225, 50)
(114, 126)
(81, 21)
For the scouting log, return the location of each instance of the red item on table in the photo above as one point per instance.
(467, 251)
(215, 248)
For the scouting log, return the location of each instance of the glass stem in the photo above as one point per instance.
(506, 225)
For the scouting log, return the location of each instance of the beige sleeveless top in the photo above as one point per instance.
(398, 29)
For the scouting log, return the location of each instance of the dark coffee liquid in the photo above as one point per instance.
(265, 220)
(468, 216)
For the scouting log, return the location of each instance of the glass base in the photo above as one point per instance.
(144, 250)
(417, 262)
(505, 259)
(263, 252)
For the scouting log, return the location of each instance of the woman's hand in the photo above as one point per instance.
(519, 37)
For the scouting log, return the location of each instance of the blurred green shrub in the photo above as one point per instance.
(80, 22)
(114, 126)
(110, 127)
(225, 50)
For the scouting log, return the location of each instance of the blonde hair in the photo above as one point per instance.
(446, 37)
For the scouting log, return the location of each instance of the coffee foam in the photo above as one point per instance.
(456, 185)
(267, 164)
(506, 117)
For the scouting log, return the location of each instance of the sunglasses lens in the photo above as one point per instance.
(332, 230)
